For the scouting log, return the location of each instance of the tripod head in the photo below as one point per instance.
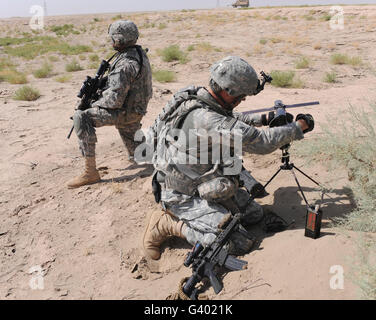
(285, 159)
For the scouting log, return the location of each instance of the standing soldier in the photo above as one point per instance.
(123, 102)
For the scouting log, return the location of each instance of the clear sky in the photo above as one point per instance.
(21, 8)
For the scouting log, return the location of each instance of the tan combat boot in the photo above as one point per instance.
(159, 227)
(90, 175)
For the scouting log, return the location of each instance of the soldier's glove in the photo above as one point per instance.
(270, 118)
(308, 119)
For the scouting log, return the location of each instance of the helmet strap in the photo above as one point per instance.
(216, 90)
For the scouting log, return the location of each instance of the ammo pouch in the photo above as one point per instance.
(181, 183)
(220, 188)
(210, 186)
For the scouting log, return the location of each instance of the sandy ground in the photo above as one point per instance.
(87, 241)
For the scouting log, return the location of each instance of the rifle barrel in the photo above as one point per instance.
(305, 104)
(70, 132)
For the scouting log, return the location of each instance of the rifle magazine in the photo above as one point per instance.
(235, 264)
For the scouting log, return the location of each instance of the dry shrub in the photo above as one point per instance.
(26, 93)
(285, 79)
(44, 71)
(350, 145)
(173, 53)
(317, 46)
(13, 76)
(164, 76)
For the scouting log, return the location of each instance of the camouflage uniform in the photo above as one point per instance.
(123, 102)
(202, 216)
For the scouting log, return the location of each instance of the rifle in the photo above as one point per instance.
(89, 89)
(204, 260)
(279, 107)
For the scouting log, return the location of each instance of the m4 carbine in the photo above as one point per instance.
(89, 89)
(204, 260)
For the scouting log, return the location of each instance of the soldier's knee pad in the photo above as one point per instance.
(83, 126)
(220, 188)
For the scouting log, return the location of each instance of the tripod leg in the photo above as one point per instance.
(272, 178)
(307, 176)
(300, 188)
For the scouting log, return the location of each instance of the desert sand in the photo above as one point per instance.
(88, 241)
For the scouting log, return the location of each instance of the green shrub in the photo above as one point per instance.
(117, 17)
(285, 79)
(43, 72)
(67, 49)
(93, 57)
(275, 40)
(93, 65)
(206, 47)
(26, 93)
(43, 44)
(326, 17)
(353, 147)
(64, 30)
(63, 78)
(13, 76)
(339, 58)
(363, 271)
(53, 58)
(277, 17)
(162, 26)
(302, 63)
(330, 77)
(164, 76)
(73, 66)
(263, 41)
(355, 61)
(350, 145)
(309, 17)
(6, 64)
(173, 53)
(147, 25)
(8, 41)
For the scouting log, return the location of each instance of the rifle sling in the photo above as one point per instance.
(141, 62)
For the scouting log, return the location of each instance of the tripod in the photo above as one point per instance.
(290, 166)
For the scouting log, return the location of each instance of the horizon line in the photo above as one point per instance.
(215, 8)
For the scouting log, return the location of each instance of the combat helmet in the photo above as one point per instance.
(235, 76)
(124, 32)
